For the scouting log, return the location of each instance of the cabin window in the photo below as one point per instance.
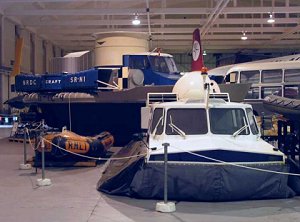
(190, 121)
(171, 64)
(291, 92)
(159, 64)
(271, 76)
(138, 62)
(252, 122)
(227, 121)
(157, 121)
(265, 91)
(253, 93)
(249, 76)
(292, 75)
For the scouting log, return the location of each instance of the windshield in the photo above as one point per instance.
(157, 121)
(252, 121)
(190, 121)
(138, 62)
(227, 121)
(163, 64)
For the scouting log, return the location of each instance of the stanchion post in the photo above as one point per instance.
(165, 207)
(165, 145)
(25, 165)
(25, 150)
(43, 156)
(44, 181)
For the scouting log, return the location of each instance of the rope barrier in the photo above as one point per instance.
(237, 165)
(144, 154)
(94, 158)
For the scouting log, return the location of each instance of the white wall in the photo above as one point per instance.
(25, 64)
(39, 55)
(8, 48)
(7, 37)
(57, 51)
(9, 42)
(49, 55)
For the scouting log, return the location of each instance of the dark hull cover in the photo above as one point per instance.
(135, 178)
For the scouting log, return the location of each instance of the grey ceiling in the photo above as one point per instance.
(71, 23)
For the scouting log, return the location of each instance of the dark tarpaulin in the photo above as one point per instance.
(135, 178)
(118, 174)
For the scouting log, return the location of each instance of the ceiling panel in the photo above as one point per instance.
(71, 23)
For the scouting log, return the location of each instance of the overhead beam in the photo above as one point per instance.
(97, 22)
(154, 11)
(210, 22)
(206, 43)
(287, 33)
(61, 1)
(174, 30)
(174, 37)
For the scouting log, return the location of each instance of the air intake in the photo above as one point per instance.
(161, 98)
(224, 96)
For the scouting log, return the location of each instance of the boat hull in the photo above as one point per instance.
(88, 119)
(87, 114)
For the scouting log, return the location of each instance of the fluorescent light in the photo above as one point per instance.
(244, 37)
(271, 19)
(136, 20)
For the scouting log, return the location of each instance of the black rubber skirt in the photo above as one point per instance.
(192, 182)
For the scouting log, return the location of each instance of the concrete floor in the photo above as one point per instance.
(73, 197)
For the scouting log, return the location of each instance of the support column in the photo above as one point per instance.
(1, 60)
(1, 39)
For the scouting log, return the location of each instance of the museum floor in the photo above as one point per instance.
(73, 197)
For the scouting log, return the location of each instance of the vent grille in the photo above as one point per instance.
(224, 96)
(161, 98)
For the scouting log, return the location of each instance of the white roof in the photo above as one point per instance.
(265, 65)
(224, 70)
(75, 54)
(201, 104)
(151, 54)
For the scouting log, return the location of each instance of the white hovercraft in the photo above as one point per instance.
(216, 128)
(215, 151)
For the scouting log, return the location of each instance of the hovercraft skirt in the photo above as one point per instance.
(192, 182)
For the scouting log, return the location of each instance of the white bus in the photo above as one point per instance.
(280, 78)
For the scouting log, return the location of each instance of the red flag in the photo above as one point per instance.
(197, 57)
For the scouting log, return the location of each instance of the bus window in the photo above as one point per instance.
(291, 92)
(271, 76)
(218, 79)
(292, 75)
(253, 93)
(265, 91)
(231, 77)
(249, 76)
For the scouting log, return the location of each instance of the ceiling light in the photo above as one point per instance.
(204, 53)
(244, 37)
(271, 19)
(136, 20)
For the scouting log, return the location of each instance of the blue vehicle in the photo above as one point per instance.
(138, 70)
(156, 68)
(102, 98)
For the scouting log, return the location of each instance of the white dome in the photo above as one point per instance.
(191, 86)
